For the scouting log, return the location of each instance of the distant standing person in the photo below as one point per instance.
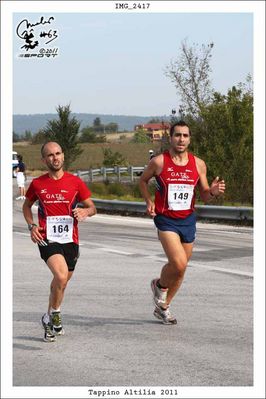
(151, 152)
(177, 173)
(20, 174)
(58, 193)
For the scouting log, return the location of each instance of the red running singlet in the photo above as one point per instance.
(57, 199)
(175, 188)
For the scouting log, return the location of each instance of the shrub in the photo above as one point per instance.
(99, 188)
(117, 189)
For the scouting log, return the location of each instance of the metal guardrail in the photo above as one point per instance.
(203, 211)
(225, 212)
(116, 170)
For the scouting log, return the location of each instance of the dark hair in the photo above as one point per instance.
(20, 157)
(179, 123)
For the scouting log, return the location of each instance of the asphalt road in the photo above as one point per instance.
(112, 337)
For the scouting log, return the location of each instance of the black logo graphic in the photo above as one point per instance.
(40, 33)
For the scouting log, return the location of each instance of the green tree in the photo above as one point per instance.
(27, 135)
(97, 122)
(111, 127)
(111, 158)
(223, 137)
(39, 138)
(141, 137)
(190, 74)
(65, 132)
(98, 127)
(16, 137)
(221, 125)
(155, 120)
(88, 135)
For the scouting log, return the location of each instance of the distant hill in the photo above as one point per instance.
(34, 122)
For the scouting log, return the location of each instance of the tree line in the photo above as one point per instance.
(221, 124)
(89, 134)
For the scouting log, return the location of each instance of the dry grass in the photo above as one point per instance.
(92, 156)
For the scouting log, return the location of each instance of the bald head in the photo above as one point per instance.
(45, 149)
(52, 156)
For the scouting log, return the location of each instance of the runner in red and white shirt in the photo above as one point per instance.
(177, 173)
(58, 193)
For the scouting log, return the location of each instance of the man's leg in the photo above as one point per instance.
(58, 267)
(178, 254)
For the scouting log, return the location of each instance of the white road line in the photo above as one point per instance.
(115, 251)
(162, 259)
(197, 249)
(200, 225)
(222, 269)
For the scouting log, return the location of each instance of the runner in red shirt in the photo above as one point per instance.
(177, 173)
(58, 194)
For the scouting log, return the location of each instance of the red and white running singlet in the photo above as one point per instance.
(175, 188)
(57, 199)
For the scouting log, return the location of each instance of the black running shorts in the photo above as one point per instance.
(70, 252)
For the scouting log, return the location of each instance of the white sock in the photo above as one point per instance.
(52, 310)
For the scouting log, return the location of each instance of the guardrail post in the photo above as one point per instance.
(131, 170)
(118, 173)
(104, 173)
(91, 175)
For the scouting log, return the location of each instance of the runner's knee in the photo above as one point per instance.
(61, 281)
(178, 266)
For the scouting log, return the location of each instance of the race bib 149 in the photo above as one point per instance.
(180, 196)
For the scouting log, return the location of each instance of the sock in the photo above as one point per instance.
(52, 310)
(160, 286)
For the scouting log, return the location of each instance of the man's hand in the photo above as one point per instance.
(81, 213)
(36, 236)
(151, 208)
(217, 187)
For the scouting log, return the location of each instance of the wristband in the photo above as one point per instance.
(31, 225)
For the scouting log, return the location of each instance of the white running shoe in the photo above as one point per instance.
(48, 330)
(159, 295)
(164, 315)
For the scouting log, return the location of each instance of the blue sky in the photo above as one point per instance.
(113, 63)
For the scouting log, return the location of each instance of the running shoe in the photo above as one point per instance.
(164, 315)
(159, 295)
(55, 318)
(48, 330)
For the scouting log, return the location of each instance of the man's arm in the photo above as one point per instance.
(88, 210)
(208, 193)
(154, 168)
(35, 231)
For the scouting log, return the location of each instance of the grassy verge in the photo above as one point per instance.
(92, 155)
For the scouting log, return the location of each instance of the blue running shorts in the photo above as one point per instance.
(185, 228)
